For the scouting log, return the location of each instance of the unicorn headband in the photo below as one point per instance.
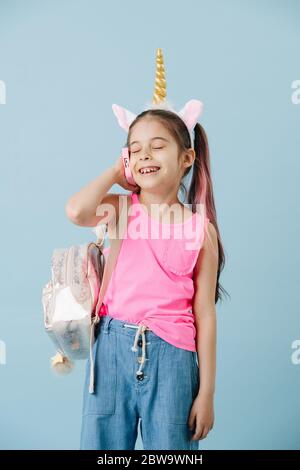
(189, 113)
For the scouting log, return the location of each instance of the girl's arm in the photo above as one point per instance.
(201, 419)
(81, 208)
(205, 278)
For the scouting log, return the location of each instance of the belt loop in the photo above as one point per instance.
(106, 326)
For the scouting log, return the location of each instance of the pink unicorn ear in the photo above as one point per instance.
(191, 112)
(124, 117)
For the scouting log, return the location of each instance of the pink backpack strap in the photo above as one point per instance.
(115, 246)
(134, 197)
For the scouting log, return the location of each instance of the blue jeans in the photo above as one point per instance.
(136, 378)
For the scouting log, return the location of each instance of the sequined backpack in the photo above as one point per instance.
(73, 297)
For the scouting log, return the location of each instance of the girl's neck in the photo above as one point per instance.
(161, 202)
(147, 198)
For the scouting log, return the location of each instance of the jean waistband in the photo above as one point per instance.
(107, 322)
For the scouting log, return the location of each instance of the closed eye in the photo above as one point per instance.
(155, 148)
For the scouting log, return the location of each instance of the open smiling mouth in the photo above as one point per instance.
(149, 171)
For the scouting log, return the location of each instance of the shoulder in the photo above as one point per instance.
(212, 237)
(209, 247)
(118, 202)
(206, 268)
(115, 201)
(212, 230)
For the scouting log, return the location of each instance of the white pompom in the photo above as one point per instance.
(61, 364)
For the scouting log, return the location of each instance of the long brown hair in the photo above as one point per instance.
(201, 188)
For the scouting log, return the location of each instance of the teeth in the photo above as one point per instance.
(148, 170)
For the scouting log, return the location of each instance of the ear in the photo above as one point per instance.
(191, 112)
(124, 117)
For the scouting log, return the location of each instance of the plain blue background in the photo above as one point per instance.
(64, 63)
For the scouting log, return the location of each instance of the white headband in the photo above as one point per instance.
(189, 114)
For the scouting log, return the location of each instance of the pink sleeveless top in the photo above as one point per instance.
(152, 282)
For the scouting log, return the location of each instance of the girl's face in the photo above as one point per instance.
(151, 145)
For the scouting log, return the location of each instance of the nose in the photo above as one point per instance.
(145, 157)
(146, 154)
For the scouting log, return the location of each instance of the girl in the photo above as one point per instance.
(155, 343)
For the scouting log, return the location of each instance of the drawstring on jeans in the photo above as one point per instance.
(140, 331)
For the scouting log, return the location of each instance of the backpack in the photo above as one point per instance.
(73, 297)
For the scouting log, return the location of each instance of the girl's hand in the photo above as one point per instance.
(201, 418)
(120, 176)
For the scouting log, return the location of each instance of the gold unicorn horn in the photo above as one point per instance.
(160, 91)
